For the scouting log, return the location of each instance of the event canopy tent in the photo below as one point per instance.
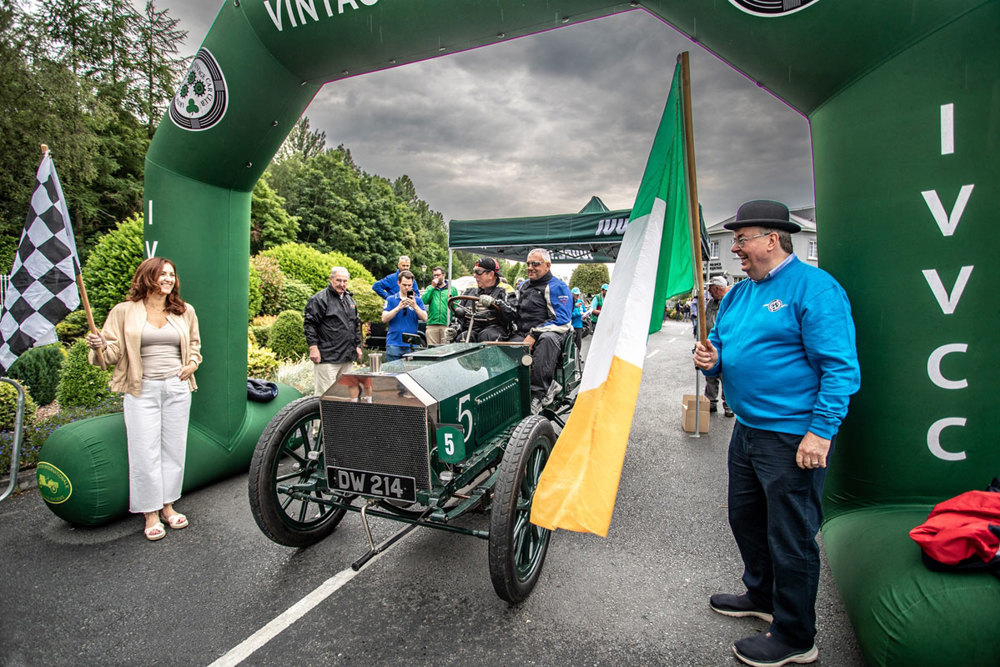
(592, 235)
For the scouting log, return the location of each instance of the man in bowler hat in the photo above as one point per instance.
(784, 343)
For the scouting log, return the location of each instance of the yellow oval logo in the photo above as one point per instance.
(53, 483)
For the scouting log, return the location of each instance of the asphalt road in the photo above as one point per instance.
(74, 596)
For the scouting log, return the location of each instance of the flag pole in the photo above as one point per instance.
(83, 294)
(692, 180)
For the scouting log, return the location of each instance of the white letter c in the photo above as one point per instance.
(934, 366)
(934, 439)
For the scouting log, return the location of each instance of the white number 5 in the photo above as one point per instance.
(462, 414)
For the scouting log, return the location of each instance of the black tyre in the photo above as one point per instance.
(518, 547)
(289, 457)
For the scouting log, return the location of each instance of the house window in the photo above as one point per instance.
(813, 254)
(714, 249)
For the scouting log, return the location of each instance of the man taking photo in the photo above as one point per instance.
(403, 310)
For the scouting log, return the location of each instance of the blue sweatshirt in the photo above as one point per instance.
(787, 351)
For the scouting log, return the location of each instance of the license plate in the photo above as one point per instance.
(382, 485)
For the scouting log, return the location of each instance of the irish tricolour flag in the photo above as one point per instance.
(578, 487)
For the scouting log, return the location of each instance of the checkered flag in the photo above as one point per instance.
(42, 289)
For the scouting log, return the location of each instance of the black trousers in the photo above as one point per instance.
(544, 357)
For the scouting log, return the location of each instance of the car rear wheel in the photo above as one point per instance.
(288, 478)
(518, 547)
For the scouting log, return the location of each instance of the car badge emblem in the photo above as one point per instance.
(202, 99)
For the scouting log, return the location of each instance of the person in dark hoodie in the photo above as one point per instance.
(544, 314)
(490, 323)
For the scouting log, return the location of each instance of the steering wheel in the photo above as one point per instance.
(452, 305)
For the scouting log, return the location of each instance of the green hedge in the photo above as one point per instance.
(287, 337)
(271, 282)
(369, 303)
(111, 265)
(8, 411)
(311, 266)
(82, 385)
(73, 327)
(38, 371)
(295, 294)
(261, 362)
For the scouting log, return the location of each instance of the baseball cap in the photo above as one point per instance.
(488, 263)
(575, 290)
(719, 280)
(604, 286)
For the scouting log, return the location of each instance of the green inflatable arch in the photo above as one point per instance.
(904, 105)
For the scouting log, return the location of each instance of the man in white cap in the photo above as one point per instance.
(717, 288)
(784, 341)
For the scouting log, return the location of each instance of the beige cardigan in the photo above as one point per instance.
(123, 333)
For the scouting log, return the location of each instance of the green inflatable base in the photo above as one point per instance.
(903, 613)
(83, 467)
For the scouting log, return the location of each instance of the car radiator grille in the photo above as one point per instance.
(377, 438)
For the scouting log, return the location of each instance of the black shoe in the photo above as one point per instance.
(737, 606)
(712, 407)
(729, 413)
(766, 651)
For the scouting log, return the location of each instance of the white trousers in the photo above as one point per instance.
(324, 375)
(156, 422)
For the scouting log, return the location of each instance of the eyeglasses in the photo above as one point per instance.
(479, 272)
(741, 241)
(534, 263)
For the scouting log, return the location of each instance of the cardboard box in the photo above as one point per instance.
(688, 414)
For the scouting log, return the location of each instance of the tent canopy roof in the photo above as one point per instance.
(592, 235)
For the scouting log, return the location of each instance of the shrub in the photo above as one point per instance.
(255, 295)
(311, 266)
(82, 385)
(271, 282)
(38, 371)
(295, 294)
(73, 327)
(261, 362)
(111, 264)
(287, 337)
(298, 374)
(369, 303)
(260, 328)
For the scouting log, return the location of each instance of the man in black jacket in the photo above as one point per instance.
(490, 323)
(333, 330)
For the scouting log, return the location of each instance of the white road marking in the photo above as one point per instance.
(258, 639)
(650, 355)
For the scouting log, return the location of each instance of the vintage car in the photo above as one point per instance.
(423, 440)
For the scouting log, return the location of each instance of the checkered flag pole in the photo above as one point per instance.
(46, 270)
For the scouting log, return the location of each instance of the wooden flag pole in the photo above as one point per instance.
(692, 180)
(83, 296)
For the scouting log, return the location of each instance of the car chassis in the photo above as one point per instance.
(423, 441)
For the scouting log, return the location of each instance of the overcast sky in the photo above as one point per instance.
(537, 125)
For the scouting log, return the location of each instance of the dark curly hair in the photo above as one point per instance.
(145, 281)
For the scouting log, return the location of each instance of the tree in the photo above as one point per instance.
(157, 66)
(270, 223)
(589, 277)
(302, 142)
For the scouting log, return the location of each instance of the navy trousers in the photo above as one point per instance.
(775, 511)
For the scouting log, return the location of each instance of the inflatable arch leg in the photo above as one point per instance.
(902, 102)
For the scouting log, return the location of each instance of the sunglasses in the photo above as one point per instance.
(534, 263)
(479, 272)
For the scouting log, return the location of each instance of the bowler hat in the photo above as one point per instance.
(763, 213)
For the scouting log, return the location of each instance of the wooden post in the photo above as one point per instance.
(692, 181)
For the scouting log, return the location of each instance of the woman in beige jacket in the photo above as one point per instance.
(153, 341)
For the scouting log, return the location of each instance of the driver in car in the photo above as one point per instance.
(493, 314)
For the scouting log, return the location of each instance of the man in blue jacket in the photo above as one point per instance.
(544, 311)
(784, 343)
(390, 284)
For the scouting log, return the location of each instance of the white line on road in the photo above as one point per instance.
(258, 639)
(650, 355)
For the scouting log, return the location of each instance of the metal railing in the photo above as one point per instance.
(15, 453)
